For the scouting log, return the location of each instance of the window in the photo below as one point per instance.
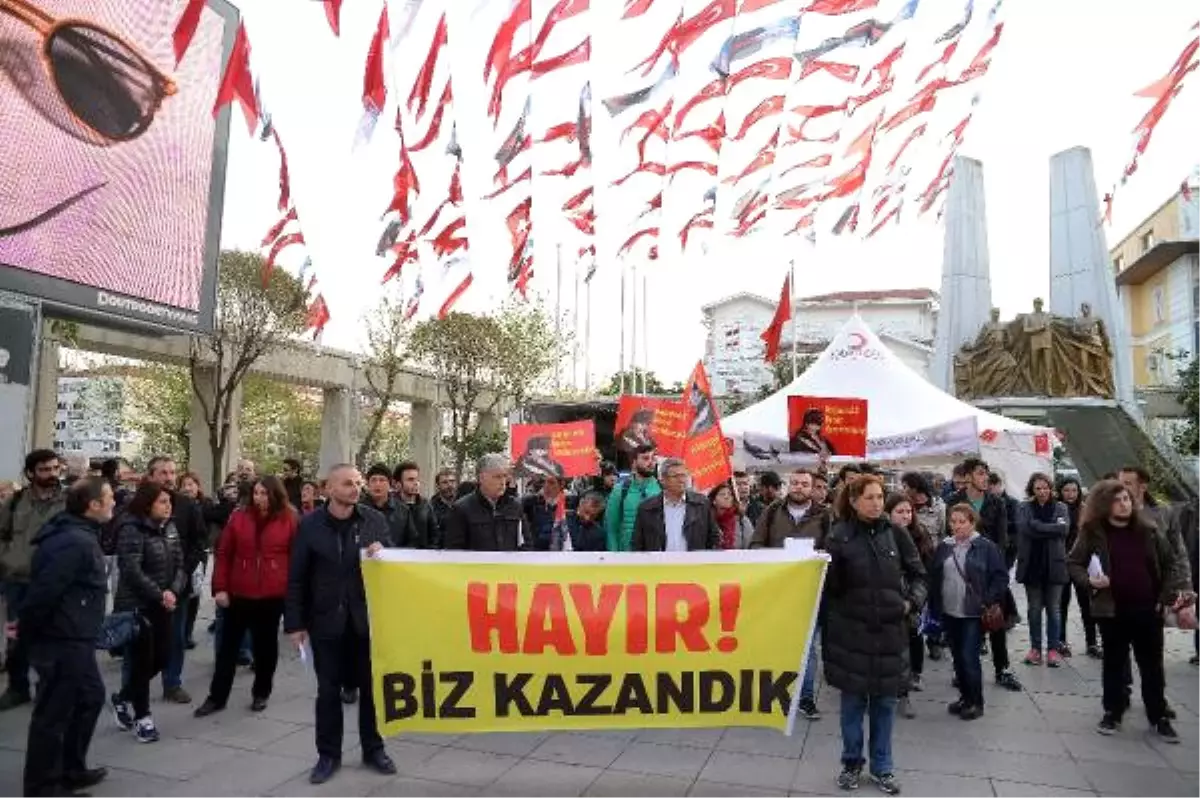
(1160, 305)
(1147, 241)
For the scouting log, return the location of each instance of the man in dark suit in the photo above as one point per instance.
(993, 525)
(676, 519)
(488, 518)
(326, 605)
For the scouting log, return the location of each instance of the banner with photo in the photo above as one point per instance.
(827, 426)
(705, 451)
(662, 423)
(561, 450)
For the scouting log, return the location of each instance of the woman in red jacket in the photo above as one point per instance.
(250, 580)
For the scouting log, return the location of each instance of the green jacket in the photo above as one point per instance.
(622, 507)
(21, 518)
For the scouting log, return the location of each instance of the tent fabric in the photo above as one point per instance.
(908, 418)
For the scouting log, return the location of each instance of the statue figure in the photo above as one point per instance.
(987, 367)
(1037, 329)
(1094, 354)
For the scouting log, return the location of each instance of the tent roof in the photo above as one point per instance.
(857, 365)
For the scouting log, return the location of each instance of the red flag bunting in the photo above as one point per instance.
(185, 28)
(783, 313)
(238, 83)
(333, 13)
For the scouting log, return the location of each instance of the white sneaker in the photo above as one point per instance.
(146, 731)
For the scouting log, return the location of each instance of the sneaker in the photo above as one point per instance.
(1109, 724)
(1053, 659)
(1008, 680)
(1095, 652)
(1034, 657)
(915, 684)
(176, 695)
(13, 699)
(848, 778)
(886, 783)
(146, 731)
(122, 712)
(905, 708)
(808, 709)
(1064, 650)
(1166, 731)
(971, 712)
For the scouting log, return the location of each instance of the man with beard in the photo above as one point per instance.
(446, 484)
(621, 511)
(293, 482)
(21, 518)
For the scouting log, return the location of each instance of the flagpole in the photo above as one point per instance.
(575, 332)
(621, 370)
(558, 311)
(792, 311)
(587, 340)
(645, 332)
(633, 358)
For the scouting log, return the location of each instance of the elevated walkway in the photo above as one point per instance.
(1101, 436)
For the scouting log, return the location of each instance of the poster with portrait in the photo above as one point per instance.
(705, 451)
(826, 426)
(111, 161)
(661, 423)
(554, 450)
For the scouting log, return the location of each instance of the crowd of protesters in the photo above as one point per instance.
(917, 566)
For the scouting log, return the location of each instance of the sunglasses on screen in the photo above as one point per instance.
(104, 82)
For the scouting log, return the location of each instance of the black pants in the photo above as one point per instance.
(998, 640)
(261, 618)
(70, 696)
(1084, 598)
(963, 636)
(1143, 632)
(334, 659)
(193, 609)
(916, 652)
(149, 654)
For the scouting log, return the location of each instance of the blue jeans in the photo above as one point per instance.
(964, 636)
(1048, 598)
(172, 675)
(17, 661)
(808, 687)
(245, 651)
(881, 712)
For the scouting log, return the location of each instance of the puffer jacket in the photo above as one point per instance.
(253, 554)
(21, 518)
(68, 586)
(874, 570)
(150, 561)
(1050, 537)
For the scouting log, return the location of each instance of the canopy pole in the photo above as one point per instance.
(792, 313)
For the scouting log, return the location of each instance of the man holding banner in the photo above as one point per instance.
(676, 519)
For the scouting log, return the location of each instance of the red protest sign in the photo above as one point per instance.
(704, 453)
(826, 426)
(662, 423)
(561, 450)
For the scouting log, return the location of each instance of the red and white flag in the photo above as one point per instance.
(783, 313)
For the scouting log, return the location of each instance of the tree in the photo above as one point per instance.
(1187, 437)
(158, 409)
(387, 344)
(252, 319)
(279, 421)
(392, 439)
(483, 360)
(633, 383)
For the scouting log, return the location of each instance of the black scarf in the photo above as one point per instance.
(1044, 512)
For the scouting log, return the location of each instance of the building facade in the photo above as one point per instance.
(1158, 279)
(89, 420)
(904, 319)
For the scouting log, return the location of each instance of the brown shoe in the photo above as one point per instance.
(177, 695)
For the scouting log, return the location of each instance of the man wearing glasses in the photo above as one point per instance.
(21, 517)
(676, 519)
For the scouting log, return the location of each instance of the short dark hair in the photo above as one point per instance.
(37, 457)
(407, 465)
(917, 483)
(1108, 475)
(443, 472)
(971, 463)
(643, 449)
(608, 467)
(110, 468)
(144, 497)
(292, 463)
(819, 476)
(1142, 474)
(769, 479)
(994, 478)
(593, 496)
(85, 491)
(379, 470)
(848, 468)
(958, 471)
(740, 475)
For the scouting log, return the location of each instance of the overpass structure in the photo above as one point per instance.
(340, 375)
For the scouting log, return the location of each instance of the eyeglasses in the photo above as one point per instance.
(105, 83)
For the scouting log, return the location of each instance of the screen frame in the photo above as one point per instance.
(76, 301)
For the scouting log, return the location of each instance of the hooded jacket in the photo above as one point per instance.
(67, 583)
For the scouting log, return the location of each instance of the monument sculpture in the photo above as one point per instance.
(1037, 354)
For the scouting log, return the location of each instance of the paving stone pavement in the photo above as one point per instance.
(1040, 741)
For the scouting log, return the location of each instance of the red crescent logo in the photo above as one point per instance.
(860, 341)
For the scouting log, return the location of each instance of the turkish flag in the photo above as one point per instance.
(238, 83)
(783, 314)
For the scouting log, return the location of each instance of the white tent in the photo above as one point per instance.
(909, 420)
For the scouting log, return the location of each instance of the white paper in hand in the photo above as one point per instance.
(306, 657)
(1094, 568)
(806, 546)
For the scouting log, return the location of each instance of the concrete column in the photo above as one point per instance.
(489, 422)
(200, 454)
(425, 441)
(336, 440)
(1080, 270)
(966, 293)
(45, 393)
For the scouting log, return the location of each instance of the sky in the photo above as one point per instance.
(1063, 76)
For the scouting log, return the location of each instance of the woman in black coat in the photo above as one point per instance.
(150, 561)
(874, 581)
(1042, 527)
(1070, 493)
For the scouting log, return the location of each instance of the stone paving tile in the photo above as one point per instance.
(534, 777)
(470, 768)
(1129, 749)
(130, 783)
(716, 790)
(617, 783)
(405, 786)
(170, 758)
(572, 748)
(249, 773)
(1116, 778)
(302, 744)
(766, 742)
(251, 733)
(696, 738)
(729, 767)
(352, 779)
(663, 760)
(511, 743)
(939, 784)
(1020, 789)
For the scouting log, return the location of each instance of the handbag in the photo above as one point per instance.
(992, 616)
(118, 630)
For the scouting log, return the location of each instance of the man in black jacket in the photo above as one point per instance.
(993, 525)
(488, 519)
(60, 621)
(445, 485)
(676, 519)
(421, 530)
(326, 606)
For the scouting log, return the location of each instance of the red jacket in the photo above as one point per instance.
(253, 554)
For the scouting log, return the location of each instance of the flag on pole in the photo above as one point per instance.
(783, 314)
(238, 83)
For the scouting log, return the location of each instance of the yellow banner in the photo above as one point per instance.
(476, 642)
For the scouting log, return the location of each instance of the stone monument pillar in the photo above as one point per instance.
(1080, 270)
(966, 292)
